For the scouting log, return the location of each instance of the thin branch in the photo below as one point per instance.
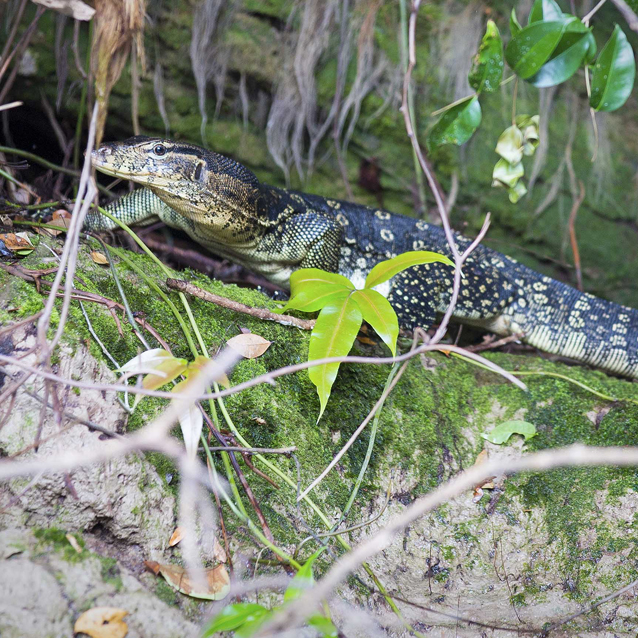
(151, 437)
(259, 313)
(268, 377)
(589, 16)
(627, 13)
(572, 234)
(580, 455)
(409, 126)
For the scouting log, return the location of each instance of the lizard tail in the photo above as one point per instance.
(562, 320)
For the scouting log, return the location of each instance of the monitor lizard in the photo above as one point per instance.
(222, 206)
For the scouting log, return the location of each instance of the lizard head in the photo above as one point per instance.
(208, 188)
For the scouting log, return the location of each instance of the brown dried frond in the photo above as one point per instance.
(209, 52)
(118, 23)
(294, 107)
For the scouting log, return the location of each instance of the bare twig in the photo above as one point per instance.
(260, 313)
(576, 455)
(68, 260)
(409, 126)
(151, 437)
(589, 16)
(268, 377)
(627, 13)
(572, 233)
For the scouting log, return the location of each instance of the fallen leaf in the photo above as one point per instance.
(249, 345)
(102, 622)
(74, 543)
(19, 243)
(501, 433)
(218, 552)
(366, 340)
(60, 218)
(217, 582)
(478, 495)
(177, 536)
(99, 258)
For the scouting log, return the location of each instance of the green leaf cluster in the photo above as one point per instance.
(547, 51)
(343, 310)
(246, 618)
(554, 45)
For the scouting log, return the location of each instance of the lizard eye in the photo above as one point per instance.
(159, 150)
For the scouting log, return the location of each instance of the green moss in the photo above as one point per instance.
(110, 572)
(428, 430)
(166, 593)
(57, 538)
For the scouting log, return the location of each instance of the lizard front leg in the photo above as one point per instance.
(139, 208)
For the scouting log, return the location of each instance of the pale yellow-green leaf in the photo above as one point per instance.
(378, 312)
(516, 192)
(387, 269)
(333, 335)
(506, 174)
(510, 145)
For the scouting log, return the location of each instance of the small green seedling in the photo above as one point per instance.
(343, 308)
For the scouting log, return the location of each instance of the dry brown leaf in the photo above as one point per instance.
(74, 543)
(17, 242)
(177, 536)
(60, 218)
(102, 622)
(218, 552)
(99, 258)
(481, 458)
(77, 9)
(217, 581)
(366, 340)
(249, 345)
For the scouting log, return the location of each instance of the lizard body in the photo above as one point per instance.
(222, 206)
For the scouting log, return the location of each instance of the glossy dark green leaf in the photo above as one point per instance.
(564, 61)
(378, 312)
(387, 269)
(531, 47)
(545, 10)
(234, 616)
(501, 433)
(456, 124)
(515, 25)
(311, 289)
(487, 65)
(590, 56)
(333, 335)
(613, 74)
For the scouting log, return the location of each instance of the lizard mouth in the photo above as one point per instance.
(105, 160)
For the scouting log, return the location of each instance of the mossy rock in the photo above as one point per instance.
(534, 549)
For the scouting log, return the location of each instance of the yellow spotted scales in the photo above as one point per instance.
(222, 206)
